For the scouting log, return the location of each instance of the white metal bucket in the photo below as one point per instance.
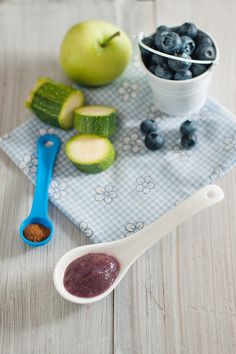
(180, 97)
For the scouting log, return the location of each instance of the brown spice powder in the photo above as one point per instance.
(36, 232)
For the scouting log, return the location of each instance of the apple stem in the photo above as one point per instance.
(105, 43)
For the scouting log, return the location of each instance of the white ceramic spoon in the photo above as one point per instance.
(127, 250)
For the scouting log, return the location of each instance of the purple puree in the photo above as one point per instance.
(91, 274)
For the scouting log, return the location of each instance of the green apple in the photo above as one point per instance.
(94, 53)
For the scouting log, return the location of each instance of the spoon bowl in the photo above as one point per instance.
(127, 250)
(110, 248)
(36, 220)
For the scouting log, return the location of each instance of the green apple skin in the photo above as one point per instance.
(86, 61)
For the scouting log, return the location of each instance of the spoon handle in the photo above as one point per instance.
(47, 147)
(145, 238)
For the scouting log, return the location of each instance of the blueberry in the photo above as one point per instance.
(202, 38)
(170, 42)
(183, 75)
(188, 29)
(188, 127)
(163, 71)
(200, 33)
(152, 68)
(198, 69)
(161, 29)
(205, 52)
(178, 65)
(146, 58)
(157, 59)
(149, 42)
(158, 40)
(188, 44)
(154, 141)
(148, 126)
(173, 29)
(188, 141)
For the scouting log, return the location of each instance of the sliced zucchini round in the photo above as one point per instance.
(90, 153)
(99, 120)
(54, 103)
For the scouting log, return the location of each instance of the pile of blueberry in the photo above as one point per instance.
(188, 138)
(184, 41)
(154, 140)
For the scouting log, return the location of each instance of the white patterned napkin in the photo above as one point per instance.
(142, 185)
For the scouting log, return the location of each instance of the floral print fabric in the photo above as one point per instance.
(142, 185)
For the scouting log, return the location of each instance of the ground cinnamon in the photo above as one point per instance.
(36, 232)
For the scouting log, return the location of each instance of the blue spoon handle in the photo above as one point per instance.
(47, 146)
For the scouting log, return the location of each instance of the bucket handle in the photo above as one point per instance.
(193, 61)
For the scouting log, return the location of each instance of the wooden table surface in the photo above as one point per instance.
(180, 297)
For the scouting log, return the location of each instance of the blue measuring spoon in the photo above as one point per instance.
(47, 146)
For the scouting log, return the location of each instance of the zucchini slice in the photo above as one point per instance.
(99, 120)
(90, 153)
(54, 103)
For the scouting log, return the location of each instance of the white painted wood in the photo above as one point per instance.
(180, 297)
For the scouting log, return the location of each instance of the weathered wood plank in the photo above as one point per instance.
(139, 322)
(198, 260)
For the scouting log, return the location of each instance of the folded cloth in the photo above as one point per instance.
(142, 185)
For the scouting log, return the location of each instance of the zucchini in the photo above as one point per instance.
(90, 153)
(99, 120)
(54, 103)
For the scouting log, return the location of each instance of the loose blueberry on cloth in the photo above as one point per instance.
(143, 184)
